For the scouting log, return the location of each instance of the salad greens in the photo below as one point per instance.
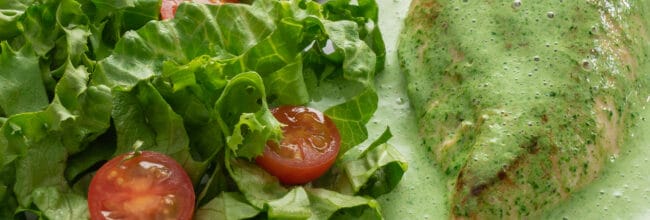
(83, 80)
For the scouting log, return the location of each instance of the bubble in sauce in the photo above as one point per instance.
(550, 14)
(617, 194)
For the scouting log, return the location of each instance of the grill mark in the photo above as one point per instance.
(501, 176)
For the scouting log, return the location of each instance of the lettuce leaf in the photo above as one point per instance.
(21, 89)
(83, 80)
(264, 192)
(10, 12)
(227, 206)
(38, 143)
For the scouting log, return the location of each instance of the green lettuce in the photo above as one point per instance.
(97, 76)
(18, 92)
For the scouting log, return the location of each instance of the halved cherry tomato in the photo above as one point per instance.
(168, 8)
(310, 146)
(143, 185)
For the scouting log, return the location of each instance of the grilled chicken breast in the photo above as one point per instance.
(523, 102)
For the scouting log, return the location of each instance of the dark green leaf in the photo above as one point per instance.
(6, 192)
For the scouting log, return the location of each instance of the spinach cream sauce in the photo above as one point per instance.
(555, 36)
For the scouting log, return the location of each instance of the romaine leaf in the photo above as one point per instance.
(192, 91)
(277, 59)
(99, 150)
(217, 182)
(57, 24)
(365, 13)
(265, 192)
(287, 85)
(351, 117)
(222, 32)
(258, 186)
(110, 19)
(195, 87)
(141, 55)
(358, 65)
(328, 204)
(42, 166)
(227, 206)
(242, 108)
(378, 171)
(293, 205)
(51, 201)
(82, 110)
(10, 12)
(374, 171)
(21, 87)
(39, 142)
(160, 129)
(7, 198)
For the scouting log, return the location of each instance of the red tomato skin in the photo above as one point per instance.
(168, 7)
(104, 191)
(315, 163)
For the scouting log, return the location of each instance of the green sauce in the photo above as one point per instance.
(621, 190)
(421, 193)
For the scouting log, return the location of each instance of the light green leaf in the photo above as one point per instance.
(374, 171)
(57, 24)
(51, 201)
(378, 171)
(328, 204)
(21, 87)
(110, 19)
(288, 85)
(227, 206)
(42, 166)
(10, 12)
(196, 88)
(243, 110)
(293, 205)
(352, 116)
(82, 110)
(142, 114)
(223, 32)
(365, 13)
(192, 89)
(258, 186)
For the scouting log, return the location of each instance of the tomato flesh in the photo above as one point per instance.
(168, 7)
(146, 185)
(310, 145)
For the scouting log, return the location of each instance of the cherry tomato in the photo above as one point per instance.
(168, 8)
(310, 146)
(143, 185)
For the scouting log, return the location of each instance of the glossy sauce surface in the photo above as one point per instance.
(621, 191)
